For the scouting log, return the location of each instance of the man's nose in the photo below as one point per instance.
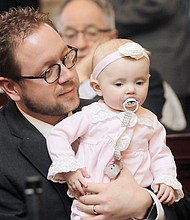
(81, 41)
(65, 74)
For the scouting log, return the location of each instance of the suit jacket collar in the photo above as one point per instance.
(32, 143)
(32, 146)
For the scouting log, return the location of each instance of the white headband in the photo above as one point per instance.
(130, 49)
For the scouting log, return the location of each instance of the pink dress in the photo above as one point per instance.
(146, 155)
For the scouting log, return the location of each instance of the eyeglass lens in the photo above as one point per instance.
(90, 33)
(52, 74)
(69, 60)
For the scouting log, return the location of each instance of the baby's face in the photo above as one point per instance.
(124, 78)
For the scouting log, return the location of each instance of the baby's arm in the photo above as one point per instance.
(163, 167)
(76, 182)
(59, 147)
(166, 194)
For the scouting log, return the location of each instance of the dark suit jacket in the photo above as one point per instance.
(23, 153)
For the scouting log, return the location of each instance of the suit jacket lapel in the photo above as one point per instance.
(32, 143)
(33, 146)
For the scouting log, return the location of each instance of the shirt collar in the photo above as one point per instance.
(43, 127)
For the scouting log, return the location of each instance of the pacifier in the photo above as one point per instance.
(130, 104)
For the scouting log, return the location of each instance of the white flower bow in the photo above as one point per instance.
(133, 50)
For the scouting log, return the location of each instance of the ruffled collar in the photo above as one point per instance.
(101, 112)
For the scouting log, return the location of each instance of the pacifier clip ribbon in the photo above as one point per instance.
(114, 167)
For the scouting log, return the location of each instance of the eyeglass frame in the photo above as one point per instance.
(43, 74)
(99, 30)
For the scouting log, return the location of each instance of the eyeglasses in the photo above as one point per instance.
(52, 74)
(90, 33)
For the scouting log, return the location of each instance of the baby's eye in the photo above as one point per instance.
(140, 83)
(118, 84)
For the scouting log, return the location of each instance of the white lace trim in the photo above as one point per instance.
(173, 182)
(100, 112)
(148, 121)
(63, 165)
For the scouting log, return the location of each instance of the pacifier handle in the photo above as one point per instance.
(130, 102)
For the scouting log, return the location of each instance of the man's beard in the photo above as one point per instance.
(44, 108)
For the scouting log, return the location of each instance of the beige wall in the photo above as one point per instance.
(50, 6)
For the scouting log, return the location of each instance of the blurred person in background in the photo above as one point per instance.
(85, 27)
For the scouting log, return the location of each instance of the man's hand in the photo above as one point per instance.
(120, 199)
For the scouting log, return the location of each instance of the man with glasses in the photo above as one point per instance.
(37, 72)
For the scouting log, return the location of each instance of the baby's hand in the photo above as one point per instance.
(76, 181)
(166, 194)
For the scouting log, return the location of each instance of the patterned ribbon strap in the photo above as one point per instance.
(129, 120)
(114, 167)
(126, 118)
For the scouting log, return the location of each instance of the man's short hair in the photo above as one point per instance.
(15, 25)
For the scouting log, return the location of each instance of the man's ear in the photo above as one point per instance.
(10, 88)
(95, 85)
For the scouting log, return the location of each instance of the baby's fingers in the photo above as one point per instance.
(156, 188)
(82, 181)
(79, 187)
(161, 192)
(84, 173)
(171, 198)
(73, 194)
(164, 196)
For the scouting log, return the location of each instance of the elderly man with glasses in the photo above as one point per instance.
(84, 24)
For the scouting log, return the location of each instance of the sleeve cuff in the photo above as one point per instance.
(156, 212)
